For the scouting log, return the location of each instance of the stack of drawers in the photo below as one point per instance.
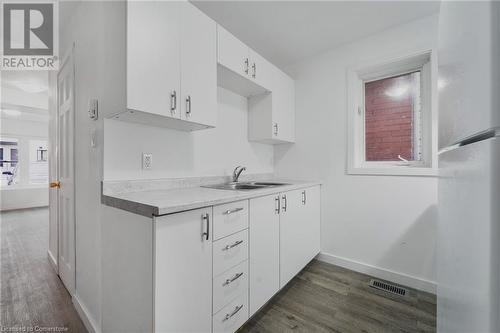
(230, 266)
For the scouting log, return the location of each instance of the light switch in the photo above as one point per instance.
(93, 109)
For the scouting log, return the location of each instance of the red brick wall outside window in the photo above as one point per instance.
(389, 117)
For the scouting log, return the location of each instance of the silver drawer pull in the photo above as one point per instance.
(231, 211)
(235, 311)
(229, 247)
(234, 278)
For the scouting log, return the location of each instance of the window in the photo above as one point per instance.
(9, 161)
(38, 167)
(390, 118)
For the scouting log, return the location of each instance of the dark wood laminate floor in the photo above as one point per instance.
(328, 298)
(31, 292)
(322, 298)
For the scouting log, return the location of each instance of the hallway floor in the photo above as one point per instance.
(322, 298)
(31, 292)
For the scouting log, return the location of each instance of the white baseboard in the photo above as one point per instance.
(53, 261)
(82, 311)
(385, 274)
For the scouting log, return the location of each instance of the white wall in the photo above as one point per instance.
(210, 152)
(100, 73)
(378, 224)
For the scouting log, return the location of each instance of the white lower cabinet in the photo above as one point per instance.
(229, 285)
(299, 230)
(232, 316)
(284, 238)
(183, 272)
(204, 270)
(230, 266)
(264, 250)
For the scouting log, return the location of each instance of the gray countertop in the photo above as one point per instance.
(156, 202)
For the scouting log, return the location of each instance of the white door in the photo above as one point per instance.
(183, 272)
(232, 53)
(66, 191)
(299, 231)
(153, 57)
(264, 250)
(198, 66)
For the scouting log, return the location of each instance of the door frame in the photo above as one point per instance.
(53, 171)
(67, 59)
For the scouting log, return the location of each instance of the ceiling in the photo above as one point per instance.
(286, 32)
(24, 95)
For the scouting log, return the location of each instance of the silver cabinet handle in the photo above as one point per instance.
(254, 67)
(303, 197)
(234, 278)
(188, 105)
(229, 247)
(247, 64)
(284, 203)
(235, 311)
(275, 128)
(277, 201)
(231, 211)
(173, 101)
(206, 234)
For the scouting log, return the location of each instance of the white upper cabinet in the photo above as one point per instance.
(232, 53)
(171, 66)
(271, 92)
(283, 108)
(198, 66)
(271, 116)
(153, 58)
(260, 70)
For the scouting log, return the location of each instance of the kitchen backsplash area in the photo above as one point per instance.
(177, 154)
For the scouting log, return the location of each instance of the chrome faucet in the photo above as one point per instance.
(237, 172)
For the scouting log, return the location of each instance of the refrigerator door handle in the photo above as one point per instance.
(480, 136)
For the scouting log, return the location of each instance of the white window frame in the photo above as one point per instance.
(356, 78)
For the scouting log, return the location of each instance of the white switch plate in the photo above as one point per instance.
(147, 161)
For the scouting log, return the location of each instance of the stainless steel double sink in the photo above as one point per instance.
(244, 186)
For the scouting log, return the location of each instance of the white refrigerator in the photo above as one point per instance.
(468, 272)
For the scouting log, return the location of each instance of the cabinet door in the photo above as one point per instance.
(261, 70)
(232, 53)
(299, 232)
(198, 66)
(283, 107)
(311, 202)
(153, 57)
(183, 272)
(264, 256)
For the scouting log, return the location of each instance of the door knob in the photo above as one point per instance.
(55, 184)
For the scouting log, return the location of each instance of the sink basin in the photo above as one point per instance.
(269, 184)
(244, 186)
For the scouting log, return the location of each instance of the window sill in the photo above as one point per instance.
(393, 171)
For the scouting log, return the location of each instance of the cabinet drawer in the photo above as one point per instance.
(232, 316)
(228, 285)
(230, 251)
(230, 218)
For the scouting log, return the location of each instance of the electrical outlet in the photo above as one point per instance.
(147, 161)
